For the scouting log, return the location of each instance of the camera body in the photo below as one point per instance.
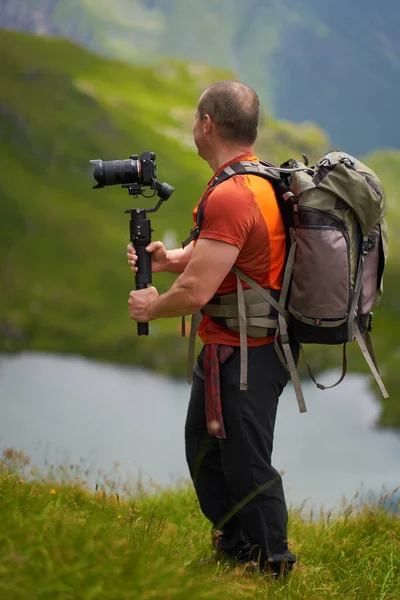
(147, 166)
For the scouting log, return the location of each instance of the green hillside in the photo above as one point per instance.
(63, 275)
(335, 63)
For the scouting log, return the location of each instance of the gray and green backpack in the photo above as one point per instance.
(336, 252)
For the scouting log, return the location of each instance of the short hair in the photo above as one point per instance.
(235, 109)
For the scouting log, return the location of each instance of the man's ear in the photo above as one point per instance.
(207, 124)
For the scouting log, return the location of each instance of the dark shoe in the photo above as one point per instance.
(233, 545)
(280, 565)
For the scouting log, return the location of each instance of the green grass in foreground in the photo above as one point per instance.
(58, 540)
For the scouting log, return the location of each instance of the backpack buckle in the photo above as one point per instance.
(347, 160)
(368, 244)
(371, 242)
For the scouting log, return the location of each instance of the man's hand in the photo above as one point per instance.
(159, 257)
(140, 302)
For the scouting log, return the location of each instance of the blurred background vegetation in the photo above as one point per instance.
(85, 79)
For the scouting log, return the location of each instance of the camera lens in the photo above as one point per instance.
(98, 173)
(114, 172)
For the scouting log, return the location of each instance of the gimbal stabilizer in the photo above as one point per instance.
(140, 236)
(132, 174)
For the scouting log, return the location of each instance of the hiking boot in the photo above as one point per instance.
(237, 547)
(280, 565)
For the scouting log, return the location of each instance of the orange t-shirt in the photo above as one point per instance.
(243, 211)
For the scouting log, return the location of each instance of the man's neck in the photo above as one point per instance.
(227, 154)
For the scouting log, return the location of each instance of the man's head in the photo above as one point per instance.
(228, 113)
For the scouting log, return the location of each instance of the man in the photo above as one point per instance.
(238, 489)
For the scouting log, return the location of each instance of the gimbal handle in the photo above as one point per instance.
(140, 236)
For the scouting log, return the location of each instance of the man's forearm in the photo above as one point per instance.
(179, 258)
(181, 299)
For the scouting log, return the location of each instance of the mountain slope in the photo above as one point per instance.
(63, 274)
(334, 63)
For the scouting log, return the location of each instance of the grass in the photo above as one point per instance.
(59, 541)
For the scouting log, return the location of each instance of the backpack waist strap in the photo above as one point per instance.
(261, 317)
(250, 312)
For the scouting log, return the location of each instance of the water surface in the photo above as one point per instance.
(65, 409)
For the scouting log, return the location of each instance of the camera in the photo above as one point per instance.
(132, 173)
(136, 169)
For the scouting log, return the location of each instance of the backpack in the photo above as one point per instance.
(336, 234)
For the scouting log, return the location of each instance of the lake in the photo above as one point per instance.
(71, 410)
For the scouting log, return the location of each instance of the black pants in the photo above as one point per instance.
(238, 489)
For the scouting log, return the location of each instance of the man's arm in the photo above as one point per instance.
(178, 259)
(209, 264)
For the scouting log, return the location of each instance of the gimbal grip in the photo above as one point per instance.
(142, 328)
(140, 235)
(143, 275)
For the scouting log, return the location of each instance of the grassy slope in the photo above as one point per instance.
(64, 276)
(59, 541)
(64, 271)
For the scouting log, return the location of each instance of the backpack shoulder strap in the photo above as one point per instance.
(261, 169)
